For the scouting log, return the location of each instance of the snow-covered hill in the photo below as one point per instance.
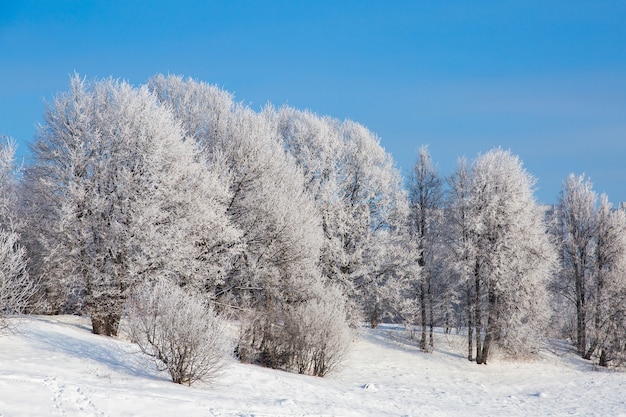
(54, 366)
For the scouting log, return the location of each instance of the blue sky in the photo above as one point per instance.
(544, 79)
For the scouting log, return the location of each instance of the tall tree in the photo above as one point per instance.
(609, 283)
(577, 207)
(359, 197)
(593, 257)
(425, 199)
(508, 253)
(460, 252)
(125, 197)
(269, 204)
(277, 270)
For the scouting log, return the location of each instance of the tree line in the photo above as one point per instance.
(174, 206)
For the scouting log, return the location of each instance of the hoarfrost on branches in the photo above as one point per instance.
(177, 329)
(125, 199)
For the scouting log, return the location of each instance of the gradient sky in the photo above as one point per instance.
(546, 79)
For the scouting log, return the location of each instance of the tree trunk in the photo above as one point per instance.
(470, 322)
(105, 324)
(597, 331)
(374, 316)
(589, 353)
(477, 315)
(581, 325)
(423, 311)
(604, 361)
(491, 325)
(431, 342)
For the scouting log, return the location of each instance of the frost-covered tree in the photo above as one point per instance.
(577, 207)
(504, 253)
(359, 198)
(16, 286)
(278, 264)
(281, 232)
(425, 198)
(123, 198)
(609, 286)
(459, 251)
(10, 218)
(593, 249)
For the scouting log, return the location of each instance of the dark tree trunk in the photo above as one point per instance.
(105, 324)
(604, 360)
(491, 325)
(477, 315)
(470, 322)
(581, 324)
(589, 353)
(431, 342)
(374, 316)
(423, 314)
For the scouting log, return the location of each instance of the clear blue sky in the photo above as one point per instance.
(544, 79)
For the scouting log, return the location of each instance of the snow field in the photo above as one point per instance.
(54, 366)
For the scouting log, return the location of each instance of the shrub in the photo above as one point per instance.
(310, 337)
(317, 335)
(178, 331)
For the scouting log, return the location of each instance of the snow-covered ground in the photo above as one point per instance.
(54, 366)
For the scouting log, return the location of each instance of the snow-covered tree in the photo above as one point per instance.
(609, 286)
(593, 242)
(576, 210)
(16, 286)
(281, 229)
(426, 197)
(459, 251)
(124, 199)
(503, 252)
(281, 233)
(359, 197)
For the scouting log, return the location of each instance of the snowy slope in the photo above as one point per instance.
(53, 366)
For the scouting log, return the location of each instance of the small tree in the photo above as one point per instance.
(178, 331)
(16, 286)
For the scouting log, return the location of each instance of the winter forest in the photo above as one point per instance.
(201, 229)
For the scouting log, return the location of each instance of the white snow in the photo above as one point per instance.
(54, 366)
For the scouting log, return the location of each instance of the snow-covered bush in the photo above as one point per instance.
(310, 336)
(178, 331)
(318, 335)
